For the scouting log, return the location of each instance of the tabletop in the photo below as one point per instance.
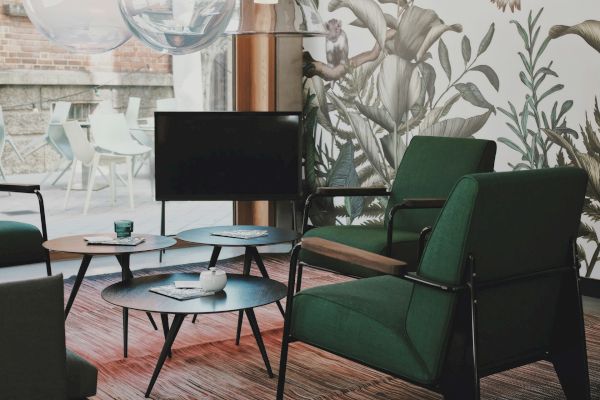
(205, 236)
(77, 244)
(240, 292)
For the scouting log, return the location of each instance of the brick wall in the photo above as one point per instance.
(23, 47)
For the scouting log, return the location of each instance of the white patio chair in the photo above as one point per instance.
(87, 156)
(166, 104)
(4, 140)
(111, 134)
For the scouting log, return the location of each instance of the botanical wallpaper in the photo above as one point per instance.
(522, 72)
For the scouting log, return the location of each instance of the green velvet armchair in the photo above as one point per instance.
(35, 365)
(497, 287)
(21, 243)
(428, 171)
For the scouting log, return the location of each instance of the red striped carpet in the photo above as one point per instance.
(207, 364)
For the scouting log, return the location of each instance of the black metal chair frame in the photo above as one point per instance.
(406, 204)
(33, 189)
(460, 379)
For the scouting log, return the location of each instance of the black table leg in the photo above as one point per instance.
(246, 272)
(85, 263)
(165, 325)
(177, 321)
(126, 275)
(213, 262)
(258, 337)
(261, 267)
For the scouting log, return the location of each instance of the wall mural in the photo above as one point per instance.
(361, 109)
(372, 103)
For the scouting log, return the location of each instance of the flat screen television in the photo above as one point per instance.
(228, 155)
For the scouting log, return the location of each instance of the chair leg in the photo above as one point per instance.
(14, 147)
(41, 143)
(112, 183)
(130, 180)
(91, 181)
(2, 173)
(70, 185)
(62, 172)
(48, 266)
(568, 353)
(287, 323)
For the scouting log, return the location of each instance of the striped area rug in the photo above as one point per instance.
(207, 364)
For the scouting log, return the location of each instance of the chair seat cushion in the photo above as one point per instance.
(82, 377)
(20, 243)
(363, 320)
(405, 246)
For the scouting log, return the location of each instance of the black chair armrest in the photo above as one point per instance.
(407, 204)
(363, 258)
(419, 280)
(18, 188)
(340, 191)
(352, 191)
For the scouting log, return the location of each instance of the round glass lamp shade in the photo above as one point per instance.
(82, 26)
(177, 26)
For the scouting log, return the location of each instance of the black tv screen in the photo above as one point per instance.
(227, 155)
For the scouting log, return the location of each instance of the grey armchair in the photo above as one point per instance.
(35, 363)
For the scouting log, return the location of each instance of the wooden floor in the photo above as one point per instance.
(146, 215)
(207, 364)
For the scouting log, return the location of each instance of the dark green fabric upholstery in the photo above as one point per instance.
(370, 238)
(82, 377)
(20, 243)
(429, 169)
(34, 359)
(512, 224)
(362, 319)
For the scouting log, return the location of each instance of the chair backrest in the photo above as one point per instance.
(60, 112)
(82, 148)
(430, 168)
(133, 112)
(110, 131)
(32, 340)
(55, 131)
(104, 107)
(166, 104)
(512, 223)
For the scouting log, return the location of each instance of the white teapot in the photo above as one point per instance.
(213, 280)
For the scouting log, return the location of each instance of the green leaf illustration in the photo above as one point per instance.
(445, 58)
(471, 93)
(490, 74)
(466, 49)
(487, 39)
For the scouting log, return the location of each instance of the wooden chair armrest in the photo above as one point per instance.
(366, 259)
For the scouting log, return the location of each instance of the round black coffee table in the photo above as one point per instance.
(77, 245)
(206, 236)
(242, 293)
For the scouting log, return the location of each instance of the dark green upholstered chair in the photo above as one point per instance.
(428, 171)
(496, 288)
(21, 243)
(35, 365)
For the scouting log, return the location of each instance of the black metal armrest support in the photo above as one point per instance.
(340, 191)
(408, 204)
(18, 188)
(423, 236)
(412, 277)
(33, 189)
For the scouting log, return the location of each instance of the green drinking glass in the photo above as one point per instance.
(123, 228)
